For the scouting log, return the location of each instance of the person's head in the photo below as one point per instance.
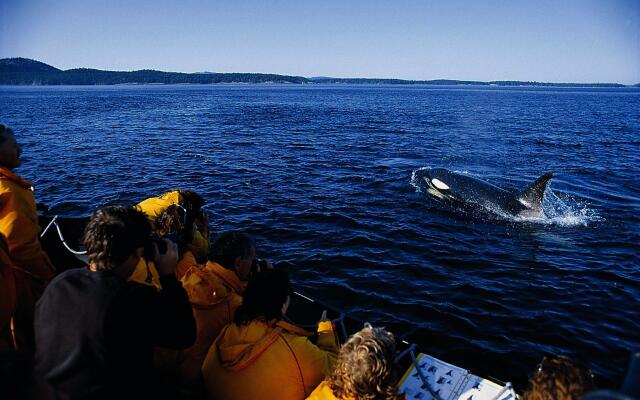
(558, 378)
(235, 251)
(173, 220)
(266, 297)
(10, 150)
(366, 367)
(115, 238)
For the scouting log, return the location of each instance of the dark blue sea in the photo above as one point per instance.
(322, 176)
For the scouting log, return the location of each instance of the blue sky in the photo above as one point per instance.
(553, 41)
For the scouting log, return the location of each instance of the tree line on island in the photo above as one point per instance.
(24, 71)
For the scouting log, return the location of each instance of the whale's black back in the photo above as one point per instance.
(470, 190)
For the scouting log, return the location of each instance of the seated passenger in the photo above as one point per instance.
(95, 331)
(365, 369)
(19, 227)
(194, 228)
(558, 378)
(215, 292)
(259, 356)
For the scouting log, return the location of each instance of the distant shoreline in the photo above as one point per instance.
(379, 84)
(27, 72)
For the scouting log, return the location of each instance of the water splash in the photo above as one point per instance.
(414, 179)
(565, 211)
(568, 211)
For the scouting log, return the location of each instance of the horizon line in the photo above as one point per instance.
(327, 77)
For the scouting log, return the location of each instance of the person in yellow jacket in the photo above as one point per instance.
(178, 212)
(259, 356)
(365, 369)
(215, 292)
(195, 219)
(19, 226)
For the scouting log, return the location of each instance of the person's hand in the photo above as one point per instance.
(166, 263)
(324, 324)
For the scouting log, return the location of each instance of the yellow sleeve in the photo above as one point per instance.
(314, 362)
(146, 273)
(21, 231)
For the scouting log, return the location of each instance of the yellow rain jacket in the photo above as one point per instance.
(19, 225)
(215, 293)
(147, 273)
(324, 392)
(267, 361)
(186, 262)
(153, 206)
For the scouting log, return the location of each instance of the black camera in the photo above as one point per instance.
(160, 243)
(258, 262)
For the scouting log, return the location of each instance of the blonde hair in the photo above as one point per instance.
(366, 367)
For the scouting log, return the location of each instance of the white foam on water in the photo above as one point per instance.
(414, 179)
(557, 211)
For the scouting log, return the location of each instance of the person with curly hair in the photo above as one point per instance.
(96, 331)
(365, 369)
(558, 378)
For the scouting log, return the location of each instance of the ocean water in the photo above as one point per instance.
(322, 177)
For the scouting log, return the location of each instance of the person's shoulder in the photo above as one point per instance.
(204, 287)
(83, 277)
(293, 330)
(322, 392)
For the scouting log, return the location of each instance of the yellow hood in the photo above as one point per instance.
(229, 277)
(204, 288)
(240, 345)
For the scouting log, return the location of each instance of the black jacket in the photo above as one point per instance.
(95, 334)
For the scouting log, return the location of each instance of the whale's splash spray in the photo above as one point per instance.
(557, 209)
(560, 210)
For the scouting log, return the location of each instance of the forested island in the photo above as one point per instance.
(24, 71)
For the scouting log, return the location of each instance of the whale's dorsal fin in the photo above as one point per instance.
(532, 196)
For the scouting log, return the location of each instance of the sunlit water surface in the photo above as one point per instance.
(322, 176)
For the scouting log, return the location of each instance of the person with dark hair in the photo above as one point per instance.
(178, 213)
(365, 369)
(172, 222)
(19, 226)
(558, 378)
(95, 330)
(260, 356)
(215, 292)
(195, 220)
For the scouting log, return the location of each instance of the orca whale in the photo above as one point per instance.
(467, 191)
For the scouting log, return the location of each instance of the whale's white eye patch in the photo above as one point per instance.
(439, 184)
